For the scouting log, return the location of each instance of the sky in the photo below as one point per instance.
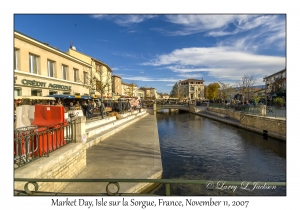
(158, 50)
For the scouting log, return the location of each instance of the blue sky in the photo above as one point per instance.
(158, 50)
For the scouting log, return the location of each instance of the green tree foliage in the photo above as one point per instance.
(212, 90)
(278, 102)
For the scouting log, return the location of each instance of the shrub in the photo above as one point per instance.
(278, 102)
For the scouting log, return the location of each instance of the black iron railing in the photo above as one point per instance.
(33, 142)
(210, 185)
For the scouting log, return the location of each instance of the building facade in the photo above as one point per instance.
(275, 84)
(42, 70)
(192, 89)
(116, 85)
(129, 89)
(149, 93)
(100, 76)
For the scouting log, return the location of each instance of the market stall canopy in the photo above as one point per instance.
(86, 97)
(61, 96)
(34, 98)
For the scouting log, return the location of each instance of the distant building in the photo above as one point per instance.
(129, 89)
(276, 84)
(165, 96)
(99, 77)
(116, 85)
(140, 93)
(149, 93)
(192, 89)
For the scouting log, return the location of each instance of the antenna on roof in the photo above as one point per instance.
(71, 46)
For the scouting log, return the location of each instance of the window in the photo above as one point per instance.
(52, 92)
(36, 92)
(75, 73)
(64, 72)
(17, 92)
(16, 58)
(85, 77)
(33, 64)
(51, 68)
(192, 88)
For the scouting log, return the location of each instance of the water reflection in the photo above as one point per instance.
(194, 147)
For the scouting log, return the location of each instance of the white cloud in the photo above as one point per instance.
(125, 20)
(220, 62)
(148, 79)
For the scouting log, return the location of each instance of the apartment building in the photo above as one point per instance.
(41, 70)
(149, 93)
(192, 89)
(100, 76)
(276, 84)
(116, 85)
(129, 89)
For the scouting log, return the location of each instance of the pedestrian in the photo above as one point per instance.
(84, 108)
(101, 108)
(90, 110)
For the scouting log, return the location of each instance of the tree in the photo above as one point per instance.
(225, 90)
(245, 84)
(212, 90)
(98, 80)
(176, 91)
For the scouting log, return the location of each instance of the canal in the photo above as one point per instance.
(198, 148)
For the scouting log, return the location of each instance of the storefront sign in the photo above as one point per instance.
(43, 84)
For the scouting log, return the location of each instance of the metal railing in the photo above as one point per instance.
(33, 142)
(210, 185)
(254, 110)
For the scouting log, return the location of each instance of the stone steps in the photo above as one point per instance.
(98, 126)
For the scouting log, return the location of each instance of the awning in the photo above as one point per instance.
(86, 97)
(34, 98)
(61, 96)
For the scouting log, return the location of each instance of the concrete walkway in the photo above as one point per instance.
(132, 153)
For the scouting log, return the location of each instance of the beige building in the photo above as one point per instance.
(192, 89)
(149, 93)
(116, 85)
(140, 94)
(129, 89)
(276, 84)
(42, 70)
(100, 77)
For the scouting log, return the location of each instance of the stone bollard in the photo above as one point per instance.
(154, 109)
(81, 136)
(191, 107)
(263, 110)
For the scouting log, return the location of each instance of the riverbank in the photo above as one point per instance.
(132, 153)
(236, 123)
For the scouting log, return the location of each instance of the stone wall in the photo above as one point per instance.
(232, 114)
(276, 127)
(66, 162)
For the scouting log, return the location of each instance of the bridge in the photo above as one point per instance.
(184, 107)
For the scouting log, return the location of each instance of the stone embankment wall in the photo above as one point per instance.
(64, 163)
(232, 114)
(276, 127)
